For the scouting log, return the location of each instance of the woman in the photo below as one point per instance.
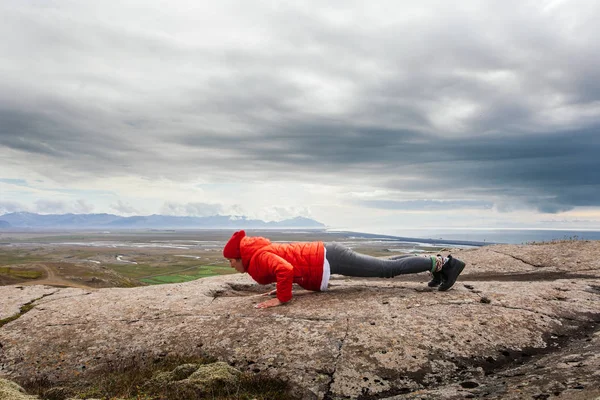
(309, 264)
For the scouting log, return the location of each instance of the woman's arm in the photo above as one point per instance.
(284, 275)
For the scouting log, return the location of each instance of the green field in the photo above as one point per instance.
(12, 257)
(186, 276)
(171, 273)
(21, 273)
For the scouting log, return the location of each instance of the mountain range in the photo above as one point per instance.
(102, 221)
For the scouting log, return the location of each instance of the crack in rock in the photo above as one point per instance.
(66, 297)
(329, 394)
(587, 269)
(170, 316)
(130, 321)
(520, 259)
(444, 303)
(373, 287)
(554, 317)
(470, 302)
(283, 317)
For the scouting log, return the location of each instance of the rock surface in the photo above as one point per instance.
(517, 313)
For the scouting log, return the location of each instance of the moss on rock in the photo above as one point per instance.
(11, 391)
(184, 371)
(218, 373)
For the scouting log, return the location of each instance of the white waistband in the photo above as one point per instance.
(326, 271)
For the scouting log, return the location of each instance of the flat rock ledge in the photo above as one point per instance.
(522, 322)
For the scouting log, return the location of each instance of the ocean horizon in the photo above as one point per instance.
(507, 236)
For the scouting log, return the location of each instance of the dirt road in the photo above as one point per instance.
(51, 279)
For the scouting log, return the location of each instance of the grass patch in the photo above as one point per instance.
(17, 257)
(21, 273)
(128, 380)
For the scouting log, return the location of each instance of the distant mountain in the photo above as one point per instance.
(110, 221)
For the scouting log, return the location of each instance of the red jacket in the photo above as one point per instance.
(267, 262)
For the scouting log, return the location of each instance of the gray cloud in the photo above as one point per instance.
(81, 206)
(11, 206)
(478, 103)
(49, 206)
(193, 209)
(46, 206)
(124, 208)
(426, 205)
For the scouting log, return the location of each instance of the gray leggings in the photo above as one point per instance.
(345, 261)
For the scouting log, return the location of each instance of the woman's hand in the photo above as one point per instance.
(269, 303)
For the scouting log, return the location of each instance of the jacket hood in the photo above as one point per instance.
(250, 245)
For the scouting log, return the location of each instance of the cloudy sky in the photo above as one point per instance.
(379, 114)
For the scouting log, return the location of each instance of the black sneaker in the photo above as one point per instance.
(450, 272)
(436, 277)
